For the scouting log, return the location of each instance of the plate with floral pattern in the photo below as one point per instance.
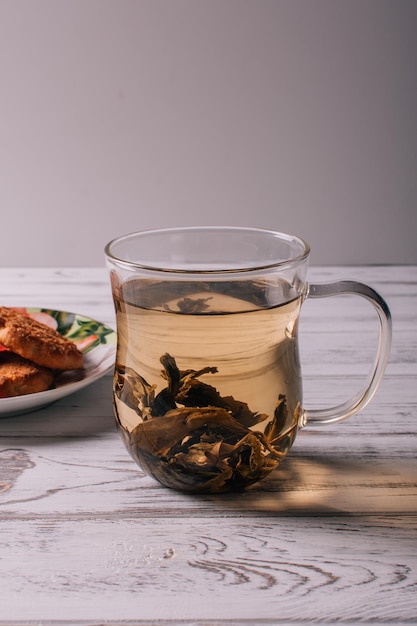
(96, 341)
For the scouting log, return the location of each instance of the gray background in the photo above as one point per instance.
(121, 115)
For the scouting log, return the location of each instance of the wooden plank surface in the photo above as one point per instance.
(87, 538)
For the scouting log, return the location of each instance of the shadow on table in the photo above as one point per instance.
(309, 486)
(85, 413)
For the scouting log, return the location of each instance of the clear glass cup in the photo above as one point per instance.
(207, 384)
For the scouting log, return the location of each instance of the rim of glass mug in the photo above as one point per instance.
(267, 258)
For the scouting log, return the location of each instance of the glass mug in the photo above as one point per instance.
(207, 385)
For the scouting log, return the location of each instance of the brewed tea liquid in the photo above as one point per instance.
(207, 385)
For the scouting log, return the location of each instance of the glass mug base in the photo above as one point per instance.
(207, 383)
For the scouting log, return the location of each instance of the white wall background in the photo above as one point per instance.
(120, 115)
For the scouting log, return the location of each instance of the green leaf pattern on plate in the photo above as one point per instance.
(85, 332)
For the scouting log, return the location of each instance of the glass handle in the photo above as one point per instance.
(361, 399)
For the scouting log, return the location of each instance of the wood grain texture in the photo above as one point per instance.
(240, 569)
(331, 537)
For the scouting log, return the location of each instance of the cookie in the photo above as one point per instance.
(19, 376)
(37, 342)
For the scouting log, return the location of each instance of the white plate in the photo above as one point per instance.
(95, 340)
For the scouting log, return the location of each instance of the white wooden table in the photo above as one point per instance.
(87, 538)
